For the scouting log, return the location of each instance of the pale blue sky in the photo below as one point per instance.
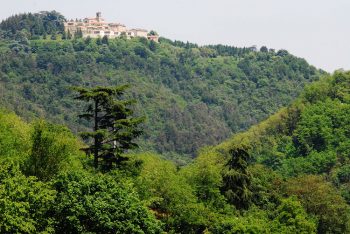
(317, 30)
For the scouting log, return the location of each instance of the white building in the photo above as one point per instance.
(98, 27)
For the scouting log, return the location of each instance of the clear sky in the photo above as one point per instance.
(317, 30)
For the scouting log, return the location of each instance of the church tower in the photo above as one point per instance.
(98, 16)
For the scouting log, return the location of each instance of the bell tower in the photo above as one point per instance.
(98, 16)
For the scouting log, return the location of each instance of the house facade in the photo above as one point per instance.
(97, 27)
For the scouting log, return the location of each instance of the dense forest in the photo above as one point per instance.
(32, 26)
(288, 174)
(191, 95)
(284, 170)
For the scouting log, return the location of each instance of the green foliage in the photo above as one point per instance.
(292, 177)
(25, 203)
(191, 96)
(322, 200)
(169, 196)
(159, 183)
(266, 186)
(153, 33)
(282, 196)
(255, 223)
(74, 201)
(53, 36)
(99, 204)
(114, 126)
(78, 34)
(314, 163)
(292, 218)
(105, 40)
(289, 217)
(54, 149)
(308, 138)
(205, 176)
(45, 22)
(14, 138)
(237, 179)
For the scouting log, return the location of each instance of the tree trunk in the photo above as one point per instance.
(96, 140)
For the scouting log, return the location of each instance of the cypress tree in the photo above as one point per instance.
(237, 179)
(64, 35)
(105, 40)
(98, 41)
(69, 35)
(78, 33)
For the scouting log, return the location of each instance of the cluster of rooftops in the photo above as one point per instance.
(97, 27)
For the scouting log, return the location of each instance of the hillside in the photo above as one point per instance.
(282, 173)
(287, 174)
(307, 144)
(310, 136)
(191, 96)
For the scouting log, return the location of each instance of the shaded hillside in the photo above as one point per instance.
(192, 96)
(312, 134)
(306, 143)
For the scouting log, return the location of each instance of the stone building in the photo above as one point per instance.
(97, 27)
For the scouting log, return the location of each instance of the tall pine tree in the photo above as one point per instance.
(114, 127)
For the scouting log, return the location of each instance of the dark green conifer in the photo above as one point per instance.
(114, 127)
(69, 35)
(237, 179)
(98, 41)
(64, 35)
(78, 34)
(105, 40)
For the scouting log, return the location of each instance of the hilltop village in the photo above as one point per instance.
(97, 27)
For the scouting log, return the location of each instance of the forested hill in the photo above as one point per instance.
(302, 151)
(288, 174)
(191, 96)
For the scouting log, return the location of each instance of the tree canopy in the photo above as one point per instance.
(114, 126)
(191, 95)
(287, 174)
